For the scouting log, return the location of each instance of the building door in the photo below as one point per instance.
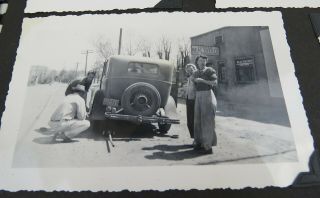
(245, 70)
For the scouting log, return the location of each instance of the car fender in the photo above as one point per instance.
(98, 109)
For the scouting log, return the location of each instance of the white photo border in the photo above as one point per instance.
(34, 6)
(267, 4)
(163, 177)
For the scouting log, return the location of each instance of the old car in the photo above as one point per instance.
(136, 89)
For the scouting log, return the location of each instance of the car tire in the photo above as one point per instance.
(164, 128)
(97, 109)
(141, 99)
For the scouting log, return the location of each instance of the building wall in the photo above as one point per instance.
(244, 41)
(271, 65)
(205, 40)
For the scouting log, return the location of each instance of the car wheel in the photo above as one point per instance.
(164, 128)
(141, 99)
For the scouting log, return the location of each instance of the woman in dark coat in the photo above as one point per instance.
(205, 107)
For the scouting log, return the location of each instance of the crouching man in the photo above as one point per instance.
(69, 119)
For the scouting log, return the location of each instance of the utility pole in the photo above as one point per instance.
(87, 52)
(77, 70)
(120, 42)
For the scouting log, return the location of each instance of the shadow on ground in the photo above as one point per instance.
(48, 140)
(119, 130)
(123, 131)
(172, 152)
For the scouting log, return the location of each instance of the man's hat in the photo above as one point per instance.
(79, 87)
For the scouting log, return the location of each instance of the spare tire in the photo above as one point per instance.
(140, 99)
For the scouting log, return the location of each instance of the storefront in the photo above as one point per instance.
(244, 60)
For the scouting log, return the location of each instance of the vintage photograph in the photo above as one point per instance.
(149, 90)
(177, 96)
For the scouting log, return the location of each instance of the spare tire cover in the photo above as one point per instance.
(140, 99)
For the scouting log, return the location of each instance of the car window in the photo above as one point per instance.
(140, 68)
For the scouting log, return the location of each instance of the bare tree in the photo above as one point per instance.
(164, 48)
(98, 67)
(184, 46)
(130, 43)
(166, 44)
(130, 49)
(144, 46)
(159, 51)
(104, 48)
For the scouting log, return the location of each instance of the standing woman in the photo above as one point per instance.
(191, 96)
(205, 107)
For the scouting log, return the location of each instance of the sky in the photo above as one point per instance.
(58, 41)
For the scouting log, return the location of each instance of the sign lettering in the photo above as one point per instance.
(204, 50)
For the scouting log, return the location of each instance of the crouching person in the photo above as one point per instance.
(69, 119)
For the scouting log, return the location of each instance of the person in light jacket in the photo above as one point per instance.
(69, 118)
(190, 97)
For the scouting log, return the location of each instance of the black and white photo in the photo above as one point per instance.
(161, 97)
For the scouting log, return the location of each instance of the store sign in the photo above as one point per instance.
(244, 61)
(205, 50)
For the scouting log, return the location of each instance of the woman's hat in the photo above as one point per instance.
(79, 87)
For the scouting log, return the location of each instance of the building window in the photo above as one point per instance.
(222, 73)
(218, 39)
(245, 69)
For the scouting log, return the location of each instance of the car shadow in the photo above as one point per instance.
(124, 131)
(172, 152)
(164, 147)
(119, 130)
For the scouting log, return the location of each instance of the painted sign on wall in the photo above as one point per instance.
(204, 50)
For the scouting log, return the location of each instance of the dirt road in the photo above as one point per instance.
(240, 140)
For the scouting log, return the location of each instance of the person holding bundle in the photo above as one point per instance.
(205, 107)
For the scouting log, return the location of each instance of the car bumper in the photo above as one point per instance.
(142, 119)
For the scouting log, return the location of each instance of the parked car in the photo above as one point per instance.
(138, 90)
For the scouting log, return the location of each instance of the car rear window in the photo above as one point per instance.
(143, 68)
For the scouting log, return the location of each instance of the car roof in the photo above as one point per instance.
(161, 63)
